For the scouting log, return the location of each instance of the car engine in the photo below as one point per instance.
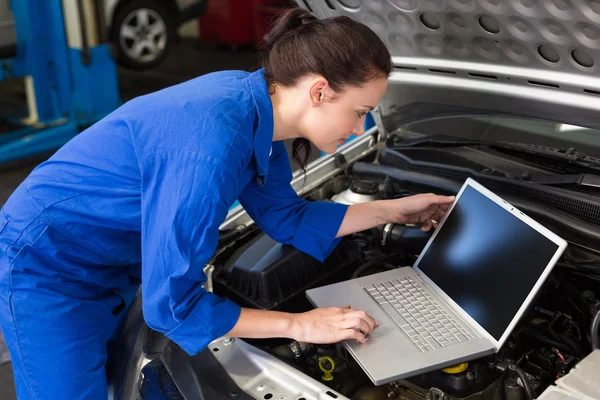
(559, 329)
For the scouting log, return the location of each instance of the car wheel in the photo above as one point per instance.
(142, 32)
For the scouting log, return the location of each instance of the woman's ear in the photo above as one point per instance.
(318, 91)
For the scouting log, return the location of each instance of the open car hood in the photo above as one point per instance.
(523, 58)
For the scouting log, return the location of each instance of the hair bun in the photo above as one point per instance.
(290, 21)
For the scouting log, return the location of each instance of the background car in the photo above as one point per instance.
(142, 31)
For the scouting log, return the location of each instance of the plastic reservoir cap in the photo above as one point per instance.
(364, 187)
(456, 369)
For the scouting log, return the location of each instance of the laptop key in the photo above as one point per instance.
(433, 343)
(461, 338)
(388, 308)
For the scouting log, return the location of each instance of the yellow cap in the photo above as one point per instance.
(456, 369)
(327, 372)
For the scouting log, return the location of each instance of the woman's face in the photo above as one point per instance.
(334, 117)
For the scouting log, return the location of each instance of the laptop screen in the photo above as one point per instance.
(487, 260)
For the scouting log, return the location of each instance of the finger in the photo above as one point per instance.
(439, 215)
(370, 321)
(356, 323)
(348, 334)
(346, 309)
(364, 317)
(426, 225)
(442, 199)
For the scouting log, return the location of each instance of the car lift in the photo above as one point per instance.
(70, 76)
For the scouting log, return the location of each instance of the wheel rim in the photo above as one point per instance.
(143, 35)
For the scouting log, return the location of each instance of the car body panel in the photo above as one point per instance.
(532, 59)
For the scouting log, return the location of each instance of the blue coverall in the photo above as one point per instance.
(138, 197)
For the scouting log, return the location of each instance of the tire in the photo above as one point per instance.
(143, 33)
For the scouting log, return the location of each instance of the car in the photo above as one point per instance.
(505, 93)
(141, 31)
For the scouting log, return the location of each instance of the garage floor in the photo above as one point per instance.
(189, 59)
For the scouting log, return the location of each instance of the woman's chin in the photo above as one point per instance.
(330, 150)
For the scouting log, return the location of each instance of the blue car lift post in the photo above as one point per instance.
(70, 76)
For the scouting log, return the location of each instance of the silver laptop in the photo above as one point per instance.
(475, 278)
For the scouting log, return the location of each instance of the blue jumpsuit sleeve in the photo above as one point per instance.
(310, 226)
(185, 197)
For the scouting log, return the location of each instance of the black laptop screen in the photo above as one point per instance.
(487, 260)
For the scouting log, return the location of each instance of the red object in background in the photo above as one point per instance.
(239, 22)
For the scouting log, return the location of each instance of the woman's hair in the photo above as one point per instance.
(342, 50)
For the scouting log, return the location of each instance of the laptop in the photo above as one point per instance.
(465, 293)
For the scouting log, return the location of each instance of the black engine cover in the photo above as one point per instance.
(268, 275)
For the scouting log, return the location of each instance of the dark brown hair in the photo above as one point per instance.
(342, 50)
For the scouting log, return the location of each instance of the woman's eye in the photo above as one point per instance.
(362, 114)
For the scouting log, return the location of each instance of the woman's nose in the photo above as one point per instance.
(358, 130)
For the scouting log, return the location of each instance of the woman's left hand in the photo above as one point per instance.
(427, 209)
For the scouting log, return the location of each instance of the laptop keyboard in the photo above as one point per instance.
(418, 314)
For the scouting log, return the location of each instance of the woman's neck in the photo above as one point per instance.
(287, 112)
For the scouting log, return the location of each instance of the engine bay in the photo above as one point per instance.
(559, 329)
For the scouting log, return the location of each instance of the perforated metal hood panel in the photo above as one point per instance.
(533, 58)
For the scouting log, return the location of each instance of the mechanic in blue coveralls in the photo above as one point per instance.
(139, 197)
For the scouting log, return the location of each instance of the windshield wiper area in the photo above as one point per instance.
(570, 156)
(549, 157)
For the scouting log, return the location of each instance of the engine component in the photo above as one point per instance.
(529, 393)
(410, 239)
(595, 330)
(460, 382)
(269, 275)
(580, 383)
(528, 385)
(358, 192)
(512, 389)
(327, 365)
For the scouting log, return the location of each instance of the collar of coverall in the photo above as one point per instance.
(263, 131)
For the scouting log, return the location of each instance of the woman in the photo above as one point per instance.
(140, 195)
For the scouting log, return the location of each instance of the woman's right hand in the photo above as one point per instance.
(332, 325)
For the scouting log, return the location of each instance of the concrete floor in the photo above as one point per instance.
(188, 60)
